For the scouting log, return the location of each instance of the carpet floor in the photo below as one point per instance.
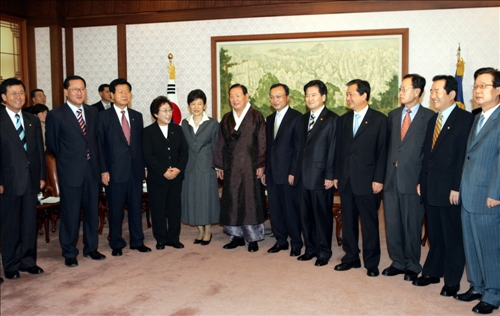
(209, 280)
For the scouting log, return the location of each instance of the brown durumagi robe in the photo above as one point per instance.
(239, 153)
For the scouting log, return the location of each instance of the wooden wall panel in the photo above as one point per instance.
(56, 65)
(121, 33)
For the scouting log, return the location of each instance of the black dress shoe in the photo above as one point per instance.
(450, 290)
(411, 276)
(307, 256)
(141, 248)
(391, 271)
(468, 296)
(12, 275)
(236, 242)
(206, 242)
(372, 272)
(484, 308)
(176, 245)
(253, 246)
(348, 266)
(197, 241)
(277, 248)
(117, 252)
(321, 262)
(160, 246)
(425, 280)
(294, 252)
(71, 262)
(32, 270)
(95, 255)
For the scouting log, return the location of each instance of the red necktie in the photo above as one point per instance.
(406, 124)
(125, 127)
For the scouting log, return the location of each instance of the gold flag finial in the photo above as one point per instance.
(460, 62)
(171, 66)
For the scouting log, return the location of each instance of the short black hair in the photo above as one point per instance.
(69, 78)
(450, 84)
(363, 87)
(38, 108)
(10, 82)
(237, 85)
(195, 95)
(157, 103)
(34, 91)
(284, 86)
(102, 87)
(489, 70)
(117, 82)
(318, 83)
(417, 81)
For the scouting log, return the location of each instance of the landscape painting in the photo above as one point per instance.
(259, 61)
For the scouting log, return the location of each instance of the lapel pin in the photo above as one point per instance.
(29, 124)
(448, 127)
(321, 119)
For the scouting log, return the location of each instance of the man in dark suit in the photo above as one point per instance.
(444, 151)
(282, 194)
(314, 173)
(38, 96)
(403, 210)
(122, 167)
(480, 192)
(359, 176)
(105, 102)
(71, 136)
(22, 175)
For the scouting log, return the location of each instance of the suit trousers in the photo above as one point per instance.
(284, 213)
(18, 224)
(482, 253)
(404, 216)
(165, 202)
(364, 207)
(118, 195)
(75, 201)
(317, 221)
(446, 255)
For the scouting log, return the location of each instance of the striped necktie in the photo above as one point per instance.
(406, 124)
(311, 122)
(79, 117)
(20, 131)
(437, 129)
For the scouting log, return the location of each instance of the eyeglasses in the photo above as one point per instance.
(404, 89)
(481, 86)
(74, 90)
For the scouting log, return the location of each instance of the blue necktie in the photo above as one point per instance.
(356, 123)
(20, 131)
(479, 124)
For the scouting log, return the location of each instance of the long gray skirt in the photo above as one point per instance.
(200, 198)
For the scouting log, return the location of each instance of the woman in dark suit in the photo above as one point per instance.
(166, 155)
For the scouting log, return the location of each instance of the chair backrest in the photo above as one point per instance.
(52, 177)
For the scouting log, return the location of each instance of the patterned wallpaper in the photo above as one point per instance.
(434, 37)
(96, 59)
(43, 75)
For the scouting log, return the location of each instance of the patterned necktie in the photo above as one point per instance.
(356, 123)
(406, 124)
(79, 117)
(20, 131)
(125, 127)
(479, 124)
(437, 129)
(311, 122)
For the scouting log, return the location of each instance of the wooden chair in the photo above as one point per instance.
(49, 212)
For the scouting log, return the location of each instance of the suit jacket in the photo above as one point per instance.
(442, 166)
(408, 153)
(66, 142)
(316, 154)
(201, 148)
(481, 171)
(161, 153)
(117, 156)
(18, 166)
(100, 106)
(362, 158)
(280, 150)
